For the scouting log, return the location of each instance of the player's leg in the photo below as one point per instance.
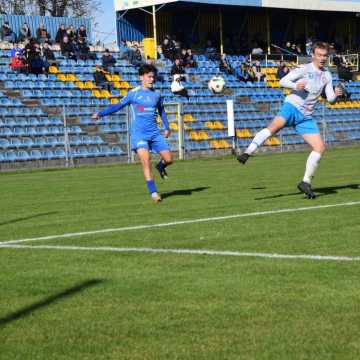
(144, 156)
(159, 145)
(277, 124)
(318, 148)
(166, 160)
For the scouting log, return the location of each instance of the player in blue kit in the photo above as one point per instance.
(307, 82)
(146, 104)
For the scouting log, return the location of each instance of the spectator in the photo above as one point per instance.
(35, 61)
(242, 72)
(107, 60)
(298, 50)
(178, 70)
(259, 76)
(135, 56)
(288, 48)
(343, 70)
(84, 50)
(18, 63)
(210, 51)
(182, 57)
(60, 34)
(81, 33)
(190, 62)
(100, 79)
(70, 33)
(24, 32)
(178, 88)
(48, 56)
(225, 66)
(6, 33)
(41, 34)
(15, 49)
(168, 49)
(282, 70)
(308, 46)
(67, 48)
(257, 50)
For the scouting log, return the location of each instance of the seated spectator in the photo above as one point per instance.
(67, 49)
(182, 57)
(107, 60)
(344, 72)
(250, 73)
(225, 66)
(178, 70)
(282, 70)
(81, 33)
(259, 76)
(135, 57)
(18, 63)
(25, 32)
(257, 50)
(298, 50)
(100, 79)
(189, 60)
(84, 50)
(6, 33)
(178, 88)
(287, 47)
(35, 61)
(48, 56)
(41, 34)
(210, 51)
(60, 34)
(70, 33)
(168, 49)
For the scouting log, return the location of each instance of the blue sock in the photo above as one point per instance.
(151, 186)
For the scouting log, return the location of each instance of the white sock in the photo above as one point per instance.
(258, 140)
(311, 165)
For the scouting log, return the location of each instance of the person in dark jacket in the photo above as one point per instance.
(81, 33)
(225, 66)
(61, 33)
(25, 32)
(107, 60)
(42, 34)
(68, 49)
(6, 33)
(100, 78)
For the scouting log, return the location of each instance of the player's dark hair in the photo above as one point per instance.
(147, 68)
(320, 45)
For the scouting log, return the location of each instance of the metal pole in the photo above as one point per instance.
(154, 31)
(221, 32)
(180, 133)
(128, 125)
(268, 32)
(68, 157)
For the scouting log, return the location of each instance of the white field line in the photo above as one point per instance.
(183, 252)
(180, 222)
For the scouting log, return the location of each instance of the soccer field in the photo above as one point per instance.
(233, 264)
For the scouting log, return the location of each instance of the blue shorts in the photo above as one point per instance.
(301, 123)
(155, 144)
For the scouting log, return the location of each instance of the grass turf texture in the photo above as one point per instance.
(102, 305)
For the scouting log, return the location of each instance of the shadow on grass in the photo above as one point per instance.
(27, 218)
(331, 190)
(184, 192)
(28, 310)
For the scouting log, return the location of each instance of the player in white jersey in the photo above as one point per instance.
(307, 83)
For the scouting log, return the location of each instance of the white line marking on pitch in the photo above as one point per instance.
(184, 251)
(180, 222)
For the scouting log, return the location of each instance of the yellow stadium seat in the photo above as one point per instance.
(53, 70)
(89, 85)
(209, 125)
(125, 85)
(61, 77)
(96, 93)
(105, 94)
(117, 85)
(115, 77)
(71, 77)
(188, 118)
(80, 85)
(174, 126)
(123, 92)
(243, 133)
(114, 100)
(273, 141)
(219, 125)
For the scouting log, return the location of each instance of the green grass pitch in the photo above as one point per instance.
(72, 304)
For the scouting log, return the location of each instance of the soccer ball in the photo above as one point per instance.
(216, 84)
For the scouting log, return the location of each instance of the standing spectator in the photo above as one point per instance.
(225, 66)
(18, 63)
(36, 63)
(84, 50)
(60, 34)
(6, 33)
(81, 33)
(135, 56)
(48, 56)
(67, 49)
(41, 34)
(24, 32)
(107, 60)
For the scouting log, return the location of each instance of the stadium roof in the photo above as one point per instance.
(325, 5)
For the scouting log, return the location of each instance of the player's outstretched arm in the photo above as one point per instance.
(332, 94)
(113, 108)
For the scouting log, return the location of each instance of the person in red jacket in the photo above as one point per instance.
(18, 63)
